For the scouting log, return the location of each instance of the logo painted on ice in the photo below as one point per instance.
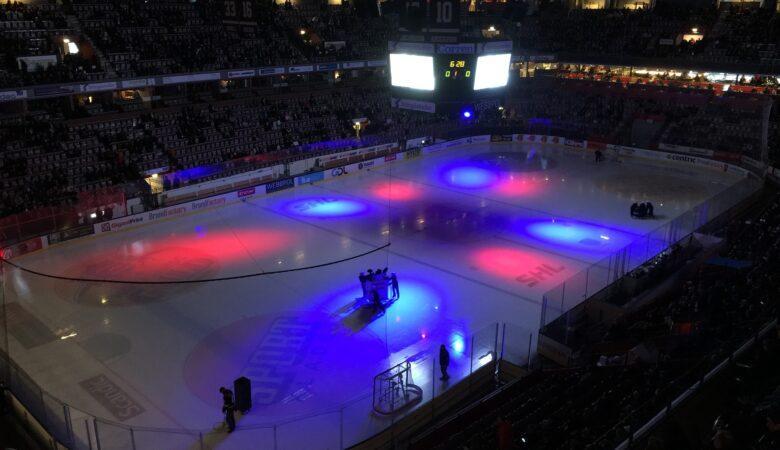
(539, 274)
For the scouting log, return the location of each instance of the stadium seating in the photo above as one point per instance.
(692, 330)
(34, 31)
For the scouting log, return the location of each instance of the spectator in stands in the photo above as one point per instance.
(504, 434)
(3, 399)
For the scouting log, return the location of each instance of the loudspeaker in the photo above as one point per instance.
(243, 390)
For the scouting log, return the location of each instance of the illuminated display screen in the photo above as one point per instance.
(492, 71)
(455, 75)
(448, 78)
(412, 71)
(457, 69)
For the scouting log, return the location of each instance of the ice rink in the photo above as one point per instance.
(476, 236)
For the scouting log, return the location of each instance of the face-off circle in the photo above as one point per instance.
(163, 264)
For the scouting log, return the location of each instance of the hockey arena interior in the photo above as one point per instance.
(391, 224)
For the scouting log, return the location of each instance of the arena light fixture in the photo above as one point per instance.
(492, 71)
(412, 71)
(485, 359)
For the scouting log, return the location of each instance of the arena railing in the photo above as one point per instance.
(560, 300)
(79, 429)
(348, 424)
(642, 421)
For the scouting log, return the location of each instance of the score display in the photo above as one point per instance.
(455, 74)
(448, 74)
(457, 69)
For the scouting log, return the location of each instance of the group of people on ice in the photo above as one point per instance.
(375, 284)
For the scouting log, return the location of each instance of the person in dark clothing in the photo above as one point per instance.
(650, 209)
(378, 275)
(229, 408)
(634, 208)
(377, 300)
(394, 283)
(599, 156)
(641, 211)
(3, 402)
(444, 362)
(504, 434)
(362, 280)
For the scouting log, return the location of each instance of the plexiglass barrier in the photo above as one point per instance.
(349, 424)
(603, 273)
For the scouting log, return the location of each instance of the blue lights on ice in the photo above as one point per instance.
(325, 207)
(469, 177)
(578, 235)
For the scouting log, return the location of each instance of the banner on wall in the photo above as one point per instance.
(246, 192)
(501, 138)
(71, 233)
(276, 186)
(22, 248)
(309, 178)
(685, 149)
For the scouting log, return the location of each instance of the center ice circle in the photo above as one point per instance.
(470, 177)
(325, 207)
(297, 362)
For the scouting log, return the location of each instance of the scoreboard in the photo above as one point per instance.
(436, 63)
(456, 74)
(448, 74)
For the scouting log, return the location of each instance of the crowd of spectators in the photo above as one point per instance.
(28, 30)
(744, 409)
(127, 38)
(745, 35)
(731, 34)
(620, 32)
(682, 335)
(114, 143)
(47, 158)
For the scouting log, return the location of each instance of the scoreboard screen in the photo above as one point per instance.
(492, 71)
(457, 69)
(412, 71)
(429, 75)
(455, 74)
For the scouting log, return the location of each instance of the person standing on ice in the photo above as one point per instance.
(394, 284)
(229, 408)
(377, 300)
(444, 362)
(362, 279)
